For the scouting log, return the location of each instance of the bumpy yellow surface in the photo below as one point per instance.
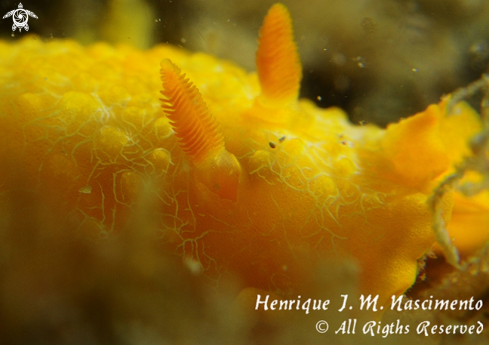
(82, 128)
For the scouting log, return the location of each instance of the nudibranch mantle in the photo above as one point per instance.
(87, 129)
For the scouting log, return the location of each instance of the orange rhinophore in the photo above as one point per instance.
(199, 134)
(194, 125)
(277, 61)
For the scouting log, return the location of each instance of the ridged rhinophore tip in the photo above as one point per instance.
(195, 127)
(198, 133)
(277, 60)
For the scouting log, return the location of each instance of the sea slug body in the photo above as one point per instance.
(85, 128)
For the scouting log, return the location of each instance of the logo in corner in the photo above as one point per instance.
(20, 17)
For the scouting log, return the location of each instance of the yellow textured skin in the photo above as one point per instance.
(83, 128)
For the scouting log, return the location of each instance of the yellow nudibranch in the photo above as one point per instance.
(248, 180)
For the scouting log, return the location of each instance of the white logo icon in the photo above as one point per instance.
(20, 17)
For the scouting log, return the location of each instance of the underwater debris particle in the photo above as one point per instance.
(86, 190)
